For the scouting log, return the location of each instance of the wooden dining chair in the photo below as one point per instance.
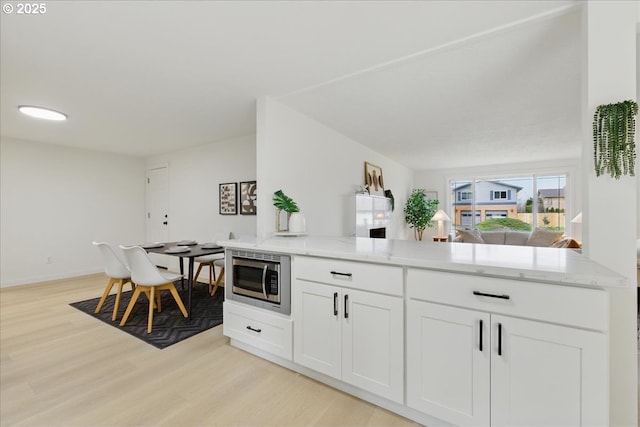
(212, 261)
(149, 279)
(117, 272)
(220, 280)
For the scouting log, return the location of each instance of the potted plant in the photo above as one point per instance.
(418, 212)
(282, 202)
(614, 148)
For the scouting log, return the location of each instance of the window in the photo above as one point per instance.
(511, 202)
(499, 195)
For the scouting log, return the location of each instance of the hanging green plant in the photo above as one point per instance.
(614, 148)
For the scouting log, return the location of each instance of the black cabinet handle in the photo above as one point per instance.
(481, 328)
(499, 339)
(337, 273)
(346, 306)
(483, 294)
(254, 330)
(335, 303)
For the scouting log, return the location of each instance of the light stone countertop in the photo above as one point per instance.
(548, 265)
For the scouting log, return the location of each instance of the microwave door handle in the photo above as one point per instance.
(264, 281)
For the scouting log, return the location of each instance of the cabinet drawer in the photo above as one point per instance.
(258, 329)
(383, 279)
(566, 305)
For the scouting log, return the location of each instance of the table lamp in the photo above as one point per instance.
(440, 217)
(577, 219)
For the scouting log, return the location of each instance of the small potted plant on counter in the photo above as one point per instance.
(282, 202)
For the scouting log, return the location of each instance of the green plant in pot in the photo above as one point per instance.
(418, 212)
(282, 202)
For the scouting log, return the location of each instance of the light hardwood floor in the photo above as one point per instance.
(61, 367)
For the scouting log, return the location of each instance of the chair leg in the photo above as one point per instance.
(150, 318)
(159, 301)
(195, 276)
(105, 294)
(218, 280)
(211, 273)
(176, 297)
(117, 303)
(134, 298)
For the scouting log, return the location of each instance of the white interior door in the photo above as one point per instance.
(158, 208)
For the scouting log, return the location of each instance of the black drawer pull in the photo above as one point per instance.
(499, 339)
(335, 303)
(481, 328)
(337, 273)
(254, 330)
(482, 294)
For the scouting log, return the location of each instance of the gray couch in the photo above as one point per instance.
(539, 237)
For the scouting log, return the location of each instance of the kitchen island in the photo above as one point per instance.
(457, 333)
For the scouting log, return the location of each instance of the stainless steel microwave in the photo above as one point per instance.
(261, 279)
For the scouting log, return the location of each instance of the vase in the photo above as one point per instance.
(297, 223)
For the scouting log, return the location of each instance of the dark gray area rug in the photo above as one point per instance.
(169, 326)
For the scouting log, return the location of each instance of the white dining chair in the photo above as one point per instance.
(149, 279)
(212, 261)
(117, 272)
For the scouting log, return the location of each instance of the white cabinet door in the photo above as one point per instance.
(317, 327)
(547, 375)
(372, 343)
(448, 361)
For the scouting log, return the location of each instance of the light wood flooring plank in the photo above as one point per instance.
(61, 367)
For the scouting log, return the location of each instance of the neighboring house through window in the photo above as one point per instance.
(474, 201)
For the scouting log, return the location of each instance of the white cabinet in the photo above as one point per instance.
(318, 331)
(547, 375)
(478, 366)
(258, 328)
(349, 334)
(448, 363)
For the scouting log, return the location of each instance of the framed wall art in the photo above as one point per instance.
(248, 198)
(373, 179)
(228, 198)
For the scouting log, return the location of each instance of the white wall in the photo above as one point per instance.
(194, 175)
(320, 169)
(609, 72)
(55, 200)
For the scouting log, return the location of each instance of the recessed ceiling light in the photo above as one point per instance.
(42, 113)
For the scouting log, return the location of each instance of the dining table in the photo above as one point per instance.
(184, 249)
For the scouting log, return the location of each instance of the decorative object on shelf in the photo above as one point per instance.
(614, 149)
(248, 197)
(283, 203)
(418, 212)
(389, 196)
(373, 179)
(440, 217)
(228, 198)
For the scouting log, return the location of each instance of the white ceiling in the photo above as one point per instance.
(431, 84)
